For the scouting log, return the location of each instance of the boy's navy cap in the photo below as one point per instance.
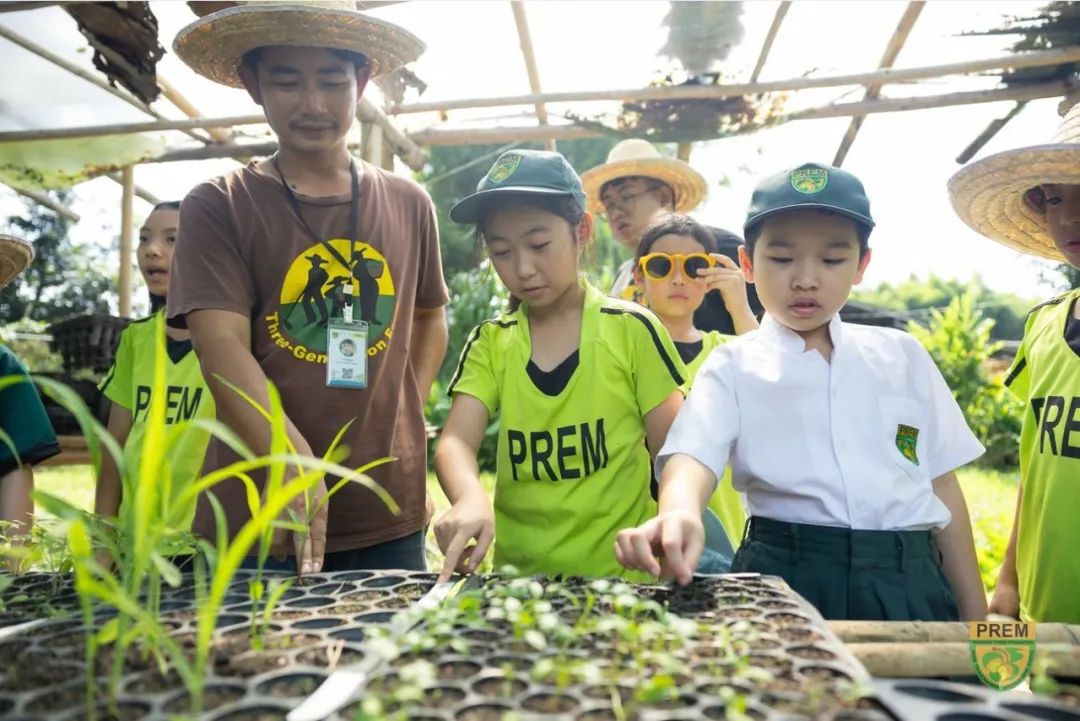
(810, 186)
(539, 172)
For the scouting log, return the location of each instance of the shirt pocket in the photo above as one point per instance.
(904, 429)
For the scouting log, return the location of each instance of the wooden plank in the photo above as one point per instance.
(892, 50)
(525, 38)
(939, 660)
(687, 92)
(770, 37)
(855, 632)
(127, 233)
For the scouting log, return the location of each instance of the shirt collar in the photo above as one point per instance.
(791, 342)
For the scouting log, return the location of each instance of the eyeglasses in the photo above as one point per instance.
(624, 202)
(660, 266)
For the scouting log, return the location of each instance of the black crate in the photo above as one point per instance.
(87, 342)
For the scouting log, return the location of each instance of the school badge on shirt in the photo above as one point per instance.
(907, 440)
(1001, 652)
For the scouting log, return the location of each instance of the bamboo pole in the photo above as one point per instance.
(140, 192)
(857, 632)
(480, 136)
(55, 59)
(185, 106)
(934, 660)
(127, 231)
(705, 92)
(46, 202)
(404, 146)
(89, 131)
(993, 128)
(525, 38)
(229, 150)
(766, 48)
(896, 43)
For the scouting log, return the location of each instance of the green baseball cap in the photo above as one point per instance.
(536, 172)
(810, 186)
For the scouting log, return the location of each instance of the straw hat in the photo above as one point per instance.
(639, 157)
(15, 255)
(991, 195)
(214, 45)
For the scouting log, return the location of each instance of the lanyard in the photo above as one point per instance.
(354, 207)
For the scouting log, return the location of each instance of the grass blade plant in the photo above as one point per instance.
(120, 566)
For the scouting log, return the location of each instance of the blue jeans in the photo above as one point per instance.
(406, 553)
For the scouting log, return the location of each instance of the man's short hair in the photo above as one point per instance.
(252, 57)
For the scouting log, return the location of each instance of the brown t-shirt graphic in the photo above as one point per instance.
(242, 249)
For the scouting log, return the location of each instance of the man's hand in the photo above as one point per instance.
(471, 518)
(309, 548)
(1005, 601)
(667, 547)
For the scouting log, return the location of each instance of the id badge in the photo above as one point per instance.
(346, 345)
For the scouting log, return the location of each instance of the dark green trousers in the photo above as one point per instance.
(849, 574)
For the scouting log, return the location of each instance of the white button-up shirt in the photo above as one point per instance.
(855, 442)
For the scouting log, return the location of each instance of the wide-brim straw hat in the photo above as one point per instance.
(16, 255)
(991, 195)
(638, 157)
(215, 45)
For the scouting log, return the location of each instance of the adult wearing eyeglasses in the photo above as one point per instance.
(637, 187)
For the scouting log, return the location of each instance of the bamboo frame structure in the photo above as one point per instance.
(525, 38)
(770, 38)
(127, 232)
(890, 76)
(892, 50)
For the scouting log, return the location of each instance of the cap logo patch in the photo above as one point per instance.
(504, 167)
(809, 180)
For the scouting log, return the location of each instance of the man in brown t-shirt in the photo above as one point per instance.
(264, 256)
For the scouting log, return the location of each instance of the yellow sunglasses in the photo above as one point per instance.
(660, 266)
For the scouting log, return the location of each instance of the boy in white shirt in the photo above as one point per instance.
(844, 438)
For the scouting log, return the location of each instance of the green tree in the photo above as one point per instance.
(919, 296)
(65, 279)
(453, 173)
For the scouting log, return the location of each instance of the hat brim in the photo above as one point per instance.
(467, 210)
(688, 184)
(847, 213)
(988, 195)
(16, 255)
(214, 46)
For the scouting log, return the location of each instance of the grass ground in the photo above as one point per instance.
(991, 499)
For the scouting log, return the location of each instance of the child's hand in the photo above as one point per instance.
(468, 519)
(727, 278)
(676, 538)
(1005, 601)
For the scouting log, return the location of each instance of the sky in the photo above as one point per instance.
(904, 159)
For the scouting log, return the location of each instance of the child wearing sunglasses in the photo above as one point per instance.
(676, 265)
(844, 438)
(585, 387)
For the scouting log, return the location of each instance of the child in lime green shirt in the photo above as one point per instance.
(584, 387)
(676, 264)
(129, 384)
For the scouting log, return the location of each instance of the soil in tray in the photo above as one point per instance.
(550, 703)
(256, 713)
(213, 697)
(124, 711)
(499, 687)
(31, 677)
(55, 699)
(152, 682)
(458, 670)
(483, 712)
(291, 685)
(441, 697)
(320, 656)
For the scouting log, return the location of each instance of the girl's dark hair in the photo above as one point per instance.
(676, 224)
(563, 206)
(167, 205)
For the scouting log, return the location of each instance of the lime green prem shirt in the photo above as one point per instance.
(1046, 376)
(573, 468)
(130, 384)
(726, 502)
